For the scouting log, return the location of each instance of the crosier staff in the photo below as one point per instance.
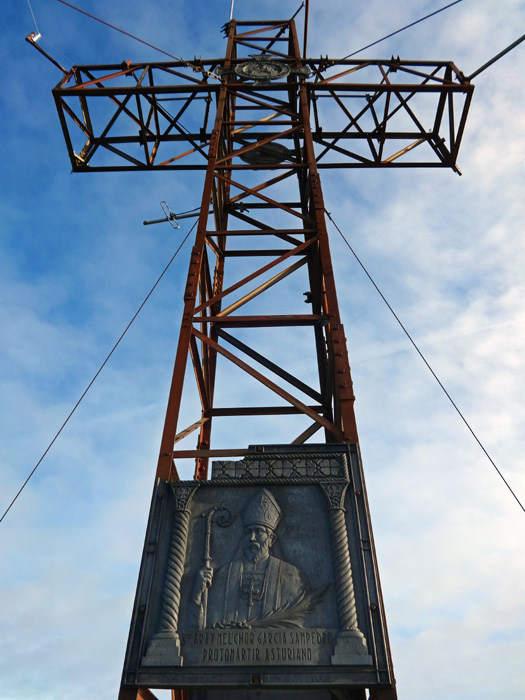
(224, 521)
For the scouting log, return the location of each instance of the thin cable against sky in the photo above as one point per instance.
(132, 36)
(96, 374)
(33, 16)
(398, 31)
(425, 361)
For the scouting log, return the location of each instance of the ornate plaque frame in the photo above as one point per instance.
(262, 577)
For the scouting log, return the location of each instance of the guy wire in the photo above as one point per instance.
(96, 374)
(426, 362)
(33, 16)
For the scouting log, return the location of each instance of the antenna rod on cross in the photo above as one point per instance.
(306, 12)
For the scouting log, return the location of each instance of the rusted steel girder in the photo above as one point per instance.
(210, 304)
(265, 239)
(196, 282)
(366, 113)
(266, 234)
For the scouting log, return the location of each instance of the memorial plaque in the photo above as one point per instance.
(264, 574)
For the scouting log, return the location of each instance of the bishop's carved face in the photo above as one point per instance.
(257, 542)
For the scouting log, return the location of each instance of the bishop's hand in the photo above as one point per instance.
(203, 580)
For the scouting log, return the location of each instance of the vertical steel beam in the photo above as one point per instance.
(336, 342)
(204, 318)
(165, 463)
(330, 344)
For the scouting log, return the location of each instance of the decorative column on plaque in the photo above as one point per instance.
(350, 646)
(164, 646)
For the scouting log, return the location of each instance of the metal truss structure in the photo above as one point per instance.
(261, 247)
(279, 118)
(366, 113)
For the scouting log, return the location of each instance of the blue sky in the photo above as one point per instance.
(448, 253)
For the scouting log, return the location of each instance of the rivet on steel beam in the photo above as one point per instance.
(142, 608)
(373, 606)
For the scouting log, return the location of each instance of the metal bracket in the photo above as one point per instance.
(169, 217)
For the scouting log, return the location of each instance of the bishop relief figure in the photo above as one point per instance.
(255, 588)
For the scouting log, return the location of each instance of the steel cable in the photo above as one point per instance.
(33, 16)
(398, 31)
(97, 374)
(188, 64)
(487, 455)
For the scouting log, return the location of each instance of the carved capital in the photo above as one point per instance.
(183, 495)
(335, 493)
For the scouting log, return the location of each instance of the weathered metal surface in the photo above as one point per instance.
(264, 577)
(248, 206)
(279, 586)
(396, 107)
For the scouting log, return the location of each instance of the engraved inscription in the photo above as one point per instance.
(257, 647)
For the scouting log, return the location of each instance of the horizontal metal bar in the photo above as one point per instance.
(154, 138)
(148, 90)
(268, 205)
(262, 232)
(324, 63)
(394, 164)
(263, 321)
(128, 168)
(276, 166)
(182, 454)
(267, 39)
(383, 135)
(361, 87)
(257, 253)
(257, 411)
(76, 91)
(190, 167)
(260, 122)
(277, 23)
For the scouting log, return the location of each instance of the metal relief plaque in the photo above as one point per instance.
(260, 572)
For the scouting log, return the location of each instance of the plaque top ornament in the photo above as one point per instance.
(319, 464)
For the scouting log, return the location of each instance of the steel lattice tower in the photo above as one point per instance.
(261, 123)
